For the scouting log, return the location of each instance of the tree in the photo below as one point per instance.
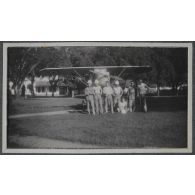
(20, 64)
(169, 64)
(53, 80)
(27, 62)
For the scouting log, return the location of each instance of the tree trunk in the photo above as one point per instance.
(17, 87)
(158, 89)
(158, 85)
(32, 83)
(52, 91)
(46, 91)
(174, 88)
(17, 90)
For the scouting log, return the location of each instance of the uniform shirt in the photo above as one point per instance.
(118, 90)
(89, 91)
(108, 90)
(131, 93)
(98, 90)
(142, 88)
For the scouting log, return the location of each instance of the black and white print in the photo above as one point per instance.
(97, 97)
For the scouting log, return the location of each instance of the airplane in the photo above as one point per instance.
(101, 73)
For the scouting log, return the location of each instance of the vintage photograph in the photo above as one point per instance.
(97, 97)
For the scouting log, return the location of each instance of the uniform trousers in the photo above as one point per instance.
(98, 103)
(117, 99)
(131, 104)
(143, 102)
(90, 102)
(109, 103)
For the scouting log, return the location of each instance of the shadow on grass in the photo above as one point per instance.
(78, 111)
(164, 104)
(159, 104)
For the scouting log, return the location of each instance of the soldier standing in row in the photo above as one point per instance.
(89, 94)
(108, 92)
(118, 92)
(98, 97)
(142, 91)
(131, 97)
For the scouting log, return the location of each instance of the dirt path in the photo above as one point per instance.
(43, 114)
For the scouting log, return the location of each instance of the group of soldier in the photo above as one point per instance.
(114, 98)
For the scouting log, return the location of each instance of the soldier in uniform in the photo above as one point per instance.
(98, 98)
(142, 91)
(89, 93)
(108, 92)
(131, 97)
(118, 92)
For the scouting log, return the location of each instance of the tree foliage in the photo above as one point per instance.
(169, 64)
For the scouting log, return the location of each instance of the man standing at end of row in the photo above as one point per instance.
(98, 97)
(142, 91)
(89, 93)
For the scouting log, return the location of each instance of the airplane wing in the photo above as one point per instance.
(113, 70)
(128, 70)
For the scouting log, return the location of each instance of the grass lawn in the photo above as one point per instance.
(36, 105)
(133, 130)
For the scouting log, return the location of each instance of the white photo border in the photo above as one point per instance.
(98, 151)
